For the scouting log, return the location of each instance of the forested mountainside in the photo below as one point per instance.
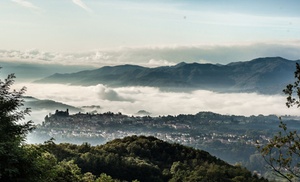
(263, 75)
(141, 158)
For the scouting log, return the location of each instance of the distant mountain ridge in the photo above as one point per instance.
(263, 75)
(32, 71)
(37, 104)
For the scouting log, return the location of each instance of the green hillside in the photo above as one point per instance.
(148, 159)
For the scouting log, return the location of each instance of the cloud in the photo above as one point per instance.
(129, 100)
(82, 5)
(26, 4)
(156, 63)
(109, 94)
(160, 56)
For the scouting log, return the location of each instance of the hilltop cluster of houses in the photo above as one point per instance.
(104, 127)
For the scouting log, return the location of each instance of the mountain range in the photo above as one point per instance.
(267, 75)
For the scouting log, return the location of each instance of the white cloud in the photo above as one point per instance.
(82, 5)
(158, 102)
(202, 61)
(26, 4)
(156, 63)
(160, 56)
(109, 94)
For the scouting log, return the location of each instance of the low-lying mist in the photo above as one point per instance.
(129, 100)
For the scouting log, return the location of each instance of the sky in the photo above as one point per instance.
(149, 33)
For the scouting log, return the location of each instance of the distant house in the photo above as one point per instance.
(62, 113)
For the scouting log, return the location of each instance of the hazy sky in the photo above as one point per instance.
(82, 25)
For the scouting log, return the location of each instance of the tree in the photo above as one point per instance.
(282, 152)
(104, 178)
(293, 90)
(67, 171)
(12, 132)
(88, 177)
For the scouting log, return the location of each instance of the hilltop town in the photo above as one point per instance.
(233, 138)
(185, 129)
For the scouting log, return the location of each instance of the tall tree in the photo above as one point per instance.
(282, 153)
(12, 131)
(293, 90)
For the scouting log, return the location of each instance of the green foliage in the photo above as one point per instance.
(293, 90)
(88, 177)
(282, 152)
(150, 159)
(67, 171)
(21, 162)
(14, 162)
(105, 178)
(10, 102)
(210, 172)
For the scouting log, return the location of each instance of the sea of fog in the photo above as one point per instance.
(129, 100)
